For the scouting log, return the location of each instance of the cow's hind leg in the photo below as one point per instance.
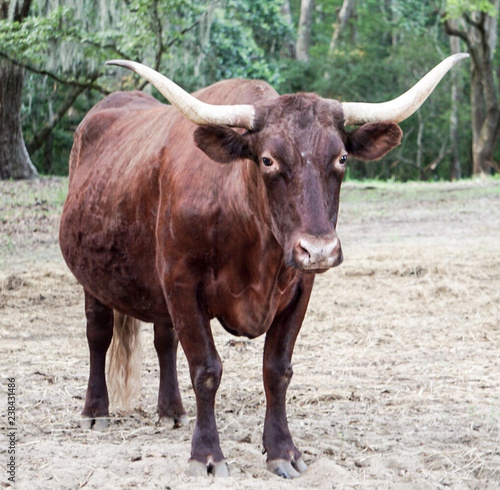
(283, 458)
(99, 335)
(169, 398)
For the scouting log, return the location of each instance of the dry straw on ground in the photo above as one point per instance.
(396, 381)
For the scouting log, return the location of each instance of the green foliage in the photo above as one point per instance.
(384, 50)
(246, 38)
(236, 53)
(29, 40)
(457, 8)
(70, 44)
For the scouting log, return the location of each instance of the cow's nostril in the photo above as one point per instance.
(307, 251)
(302, 253)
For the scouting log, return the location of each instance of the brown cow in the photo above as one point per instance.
(233, 225)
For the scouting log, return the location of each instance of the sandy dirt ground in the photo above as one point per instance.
(397, 368)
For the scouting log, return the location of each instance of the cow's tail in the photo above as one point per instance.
(124, 368)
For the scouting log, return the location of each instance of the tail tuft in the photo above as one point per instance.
(124, 369)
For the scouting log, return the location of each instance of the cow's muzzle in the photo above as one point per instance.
(317, 254)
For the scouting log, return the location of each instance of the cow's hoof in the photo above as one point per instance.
(196, 468)
(95, 423)
(287, 469)
(176, 422)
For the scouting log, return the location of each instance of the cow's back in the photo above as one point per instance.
(132, 158)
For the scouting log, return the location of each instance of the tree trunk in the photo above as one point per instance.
(392, 36)
(286, 12)
(343, 18)
(420, 147)
(480, 33)
(15, 162)
(48, 159)
(486, 110)
(455, 166)
(304, 31)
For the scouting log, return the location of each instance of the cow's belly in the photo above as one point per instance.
(115, 266)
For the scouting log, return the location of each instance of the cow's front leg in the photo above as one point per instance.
(283, 458)
(193, 330)
(205, 368)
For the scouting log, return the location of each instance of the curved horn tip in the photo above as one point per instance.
(399, 109)
(119, 62)
(461, 56)
(455, 58)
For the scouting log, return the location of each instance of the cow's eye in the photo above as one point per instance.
(267, 162)
(343, 159)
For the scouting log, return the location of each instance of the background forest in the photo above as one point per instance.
(53, 53)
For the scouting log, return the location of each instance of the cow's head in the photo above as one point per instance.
(300, 145)
(300, 148)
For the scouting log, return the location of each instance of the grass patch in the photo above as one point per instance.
(373, 189)
(29, 217)
(46, 195)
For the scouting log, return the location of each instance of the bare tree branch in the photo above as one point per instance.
(41, 136)
(478, 25)
(443, 152)
(158, 27)
(162, 48)
(73, 83)
(454, 31)
(110, 47)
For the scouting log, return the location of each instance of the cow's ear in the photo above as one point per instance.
(373, 140)
(222, 144)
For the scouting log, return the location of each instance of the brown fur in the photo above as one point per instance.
(156, 229)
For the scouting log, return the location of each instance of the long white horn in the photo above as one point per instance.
(240, 116)
(399, 109)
